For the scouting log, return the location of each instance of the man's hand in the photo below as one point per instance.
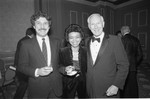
(112, 90)
(44, 71)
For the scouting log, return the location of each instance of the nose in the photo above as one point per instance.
(74, 40)
(42, 25)
(95, 26)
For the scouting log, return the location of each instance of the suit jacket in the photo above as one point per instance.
(30, 58)
(18, 48)
(110, 68)
(20, 76)
(133, 50)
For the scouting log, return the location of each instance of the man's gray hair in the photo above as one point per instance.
(95, 14)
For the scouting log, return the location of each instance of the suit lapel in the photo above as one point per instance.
(89, 52)
(52, 48)
(102, 48)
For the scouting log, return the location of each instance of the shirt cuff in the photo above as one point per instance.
(36, 75)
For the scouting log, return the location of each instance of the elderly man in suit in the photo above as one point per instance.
(134, 53)
(107, 66)
(38, 59)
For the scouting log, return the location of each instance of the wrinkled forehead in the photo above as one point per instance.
(41, 19)
(95, 17)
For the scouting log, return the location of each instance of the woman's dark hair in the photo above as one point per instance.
(74, 28)
(38, 15)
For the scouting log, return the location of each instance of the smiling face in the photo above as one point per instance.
(74, 39)
(96, 24)
(41, 26)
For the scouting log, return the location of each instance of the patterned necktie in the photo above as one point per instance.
(95, 39)
(44, 49)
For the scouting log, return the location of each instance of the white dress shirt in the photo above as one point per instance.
(95, 47)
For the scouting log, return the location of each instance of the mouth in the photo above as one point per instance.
(42, 29)
(75, 44)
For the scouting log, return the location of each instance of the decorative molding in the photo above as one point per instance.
(37, 5)
(142, 17)
(144, 55)
(40, 5)
(112, 21)
(127, 3)
(83, 2)
(93, 4)
(105, 3)
(126, 20)
(73, 17)
(48, 7)
(142, 36)
(102, 11)
(84, 19)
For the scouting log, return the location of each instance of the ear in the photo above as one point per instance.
(49, 27)
(34, 27)
(89, 26)
(103, 24)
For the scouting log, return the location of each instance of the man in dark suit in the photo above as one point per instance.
(107, 65)
(38, 59)
(21, 78)
(134, 53)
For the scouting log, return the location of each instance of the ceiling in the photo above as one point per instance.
(115, 2)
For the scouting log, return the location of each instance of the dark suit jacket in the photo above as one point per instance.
(133, 50)
(110, 68)
(30, 58)
(18, 48)
(20, 76)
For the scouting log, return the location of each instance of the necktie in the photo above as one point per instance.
(44, 49)
(95, 39)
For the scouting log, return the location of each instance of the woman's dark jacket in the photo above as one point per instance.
(66, 57)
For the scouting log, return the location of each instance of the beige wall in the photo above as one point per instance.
(14, 20)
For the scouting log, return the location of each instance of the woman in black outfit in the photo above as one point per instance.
(73, 62)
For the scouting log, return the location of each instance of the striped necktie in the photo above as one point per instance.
(44, 49)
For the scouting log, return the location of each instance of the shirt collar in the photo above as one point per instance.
(126, 33)
(40, 38)
(100, 36)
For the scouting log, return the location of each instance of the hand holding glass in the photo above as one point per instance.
(70, 70)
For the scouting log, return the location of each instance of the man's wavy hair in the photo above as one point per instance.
(39, 14)
(74, 28)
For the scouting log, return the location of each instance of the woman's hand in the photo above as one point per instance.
(70, 70)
